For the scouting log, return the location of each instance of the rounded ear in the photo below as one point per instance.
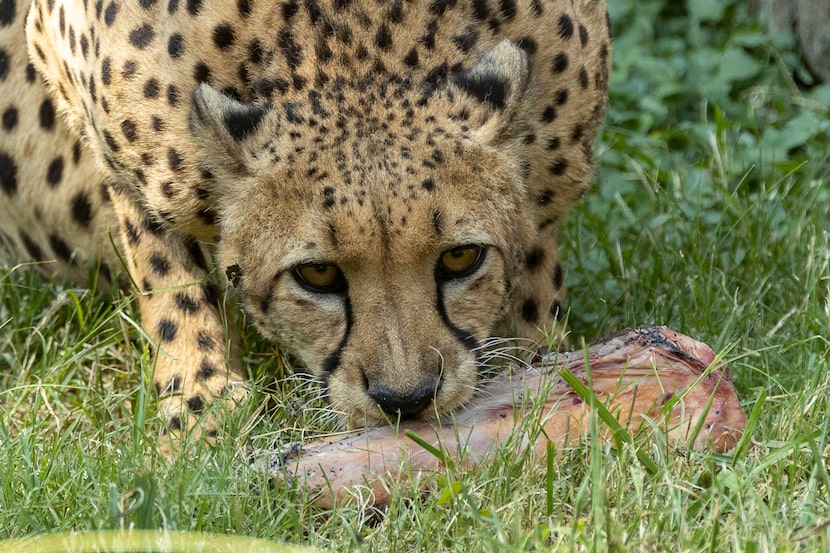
(223, 126)
(499, 84)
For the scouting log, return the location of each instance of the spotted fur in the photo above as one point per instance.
(370, 145)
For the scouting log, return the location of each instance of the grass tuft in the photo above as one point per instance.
(710, 214)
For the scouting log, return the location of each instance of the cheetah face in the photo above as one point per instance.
(388, 302)
(379, 254)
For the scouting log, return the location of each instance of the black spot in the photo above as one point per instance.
(47, 115)
(530, 311)
(31, 74)
(106, 71)
(204, 342)
(81, 209)
(289, 10)
(129, 70)
(111, 143)
(548, 115)
(558, 277)
(133, 237)
(172, 95)
(72, 40)
(558, 166)
(485, 88)
(244, 7)
(185, 303)
(565, 26)
(241, 123)
(175, 45)
(194, 7)
(159, 264)
(255, 51)
(223, 36)
(153, 226)
(554, 143)
(31, 246)
(534, 258)
(151, 89)
(167, 330)
(545, 197)
(110, 13)
(54, 172)
(175, 423)
(537, 7)
(4, 64)
(128, 130)
(528, 45)
(7, 12)
(84, 46)
(583, 35)
(328, 197)
(158, 124)
(206, 369)
(466, 40)
(76, 152)
(201, 73)
(428, 184)
(576, 134)
(196, 404)
(508, 9)
(290, 49)
(174, 160)
(92, 93)
(480, 10)
(62, 20)
(560, 62)
(60, 247)
(411, 59)
(141, 37)
(10, 118)
(396, 12)
(383, 38)
(583, 78)
(147, 4)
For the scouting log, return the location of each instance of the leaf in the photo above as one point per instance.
(736, 65)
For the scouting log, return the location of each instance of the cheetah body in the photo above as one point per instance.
(381, 181)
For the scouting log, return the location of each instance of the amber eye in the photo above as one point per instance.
(461, 261)
(320, 277)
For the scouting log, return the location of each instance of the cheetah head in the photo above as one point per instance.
(376, 233)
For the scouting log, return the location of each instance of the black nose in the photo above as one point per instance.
(395, 403)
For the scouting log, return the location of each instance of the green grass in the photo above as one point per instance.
(710, 214)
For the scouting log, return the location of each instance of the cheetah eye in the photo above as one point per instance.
(321, 278)
(461, 261)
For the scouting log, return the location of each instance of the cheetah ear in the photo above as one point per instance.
(223, 126)
(500, 85)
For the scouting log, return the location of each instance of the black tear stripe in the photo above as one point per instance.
(241, 123)
(462, 336)
(332, 362)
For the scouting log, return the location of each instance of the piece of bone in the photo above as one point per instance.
(634, 373)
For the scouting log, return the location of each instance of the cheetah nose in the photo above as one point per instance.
(395, 403)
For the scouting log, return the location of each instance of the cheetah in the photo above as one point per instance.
(380, 182)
